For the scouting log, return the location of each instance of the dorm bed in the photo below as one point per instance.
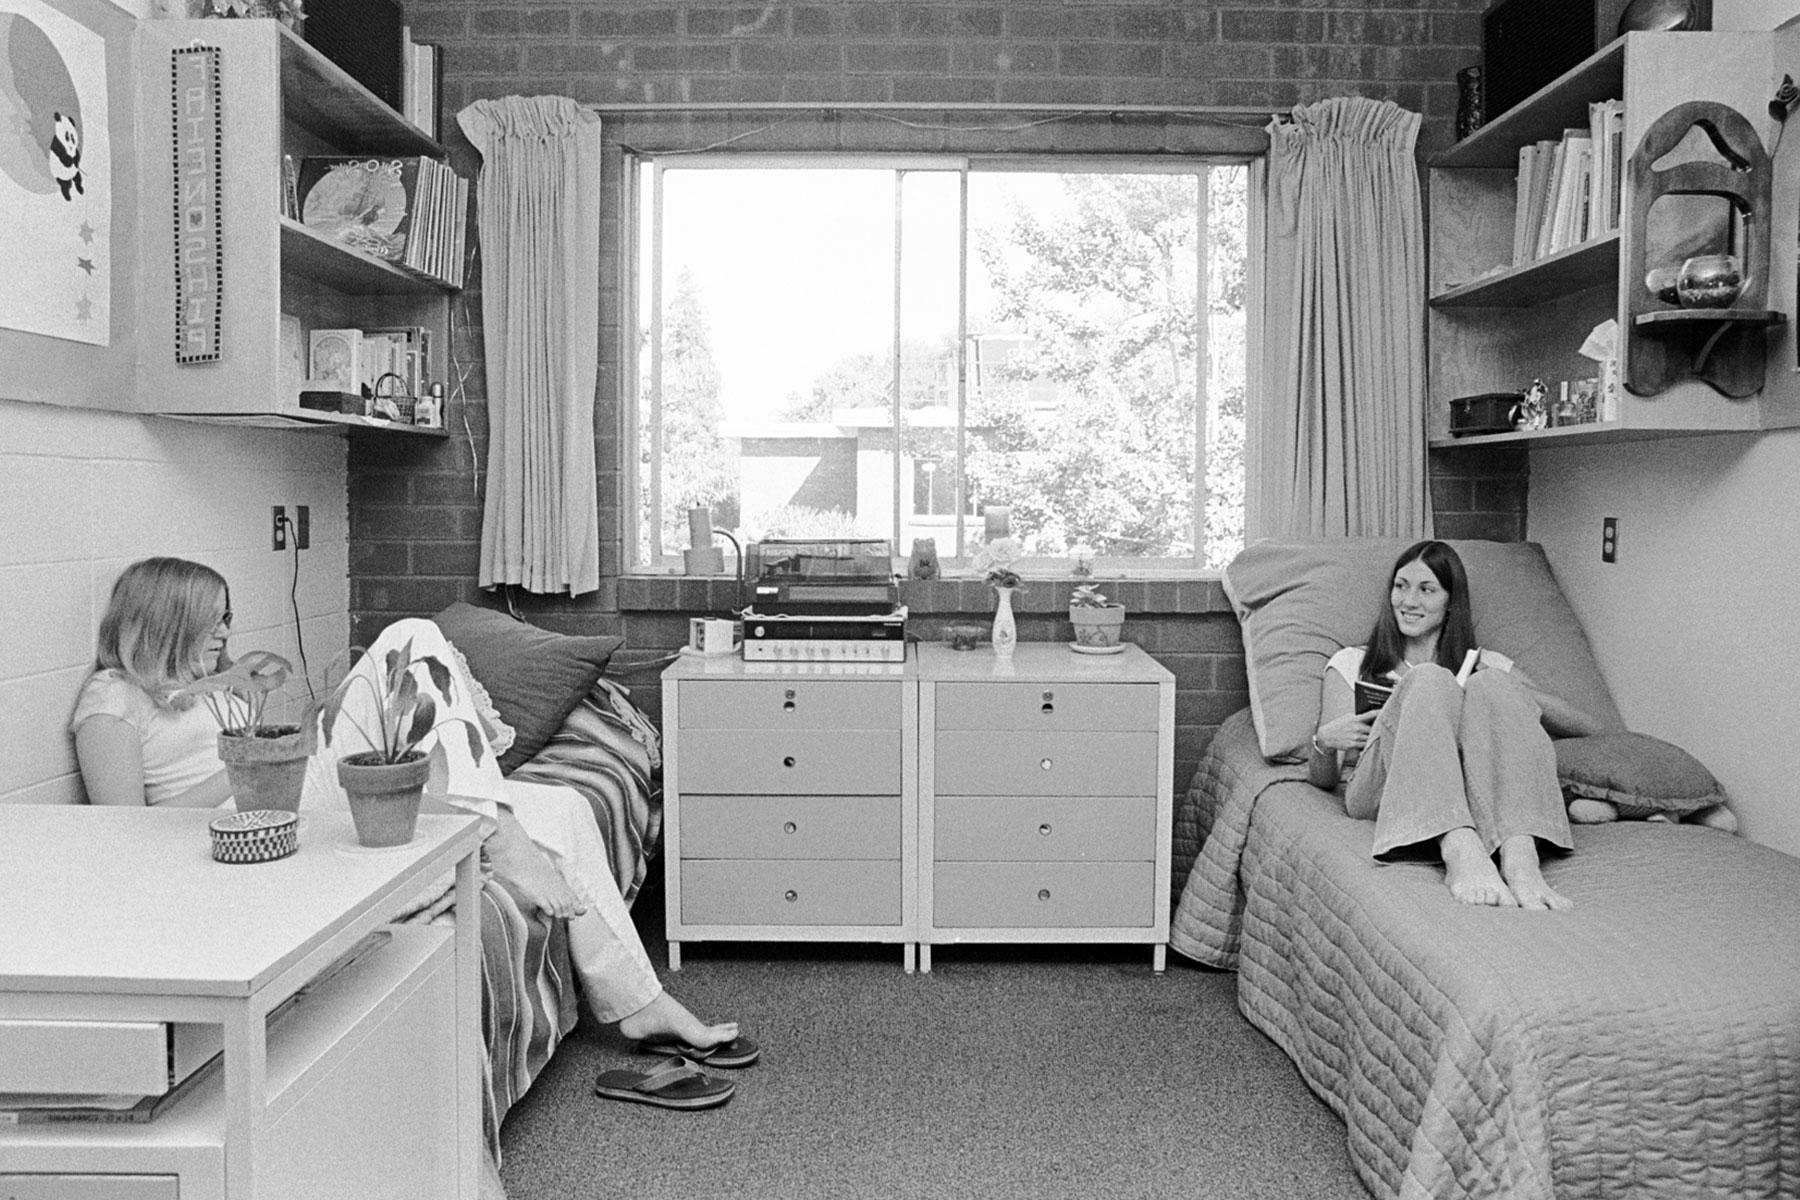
(1645, 1044)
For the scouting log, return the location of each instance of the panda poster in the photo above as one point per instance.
(55, 177)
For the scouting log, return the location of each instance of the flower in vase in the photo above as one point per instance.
(995, 560)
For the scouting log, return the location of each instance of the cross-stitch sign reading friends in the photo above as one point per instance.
(199, 249)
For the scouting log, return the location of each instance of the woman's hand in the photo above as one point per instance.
(1348, 732)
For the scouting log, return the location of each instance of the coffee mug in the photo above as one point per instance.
(709, 635)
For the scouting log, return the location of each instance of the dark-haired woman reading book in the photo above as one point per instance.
(1458, 758)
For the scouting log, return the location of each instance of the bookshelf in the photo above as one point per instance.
(1494, 324)
(277, 97)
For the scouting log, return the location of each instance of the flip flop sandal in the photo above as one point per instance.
(738, 1052)
(677, 1084)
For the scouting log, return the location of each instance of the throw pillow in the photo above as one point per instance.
(1299, 602)
(1642, 775)
(535, 677)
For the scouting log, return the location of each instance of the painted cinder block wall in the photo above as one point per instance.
(416, 510)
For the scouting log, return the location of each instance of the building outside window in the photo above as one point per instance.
(882, 348)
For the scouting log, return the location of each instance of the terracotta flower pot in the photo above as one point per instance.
(1098, 626)
(268, 769)
(384, 797)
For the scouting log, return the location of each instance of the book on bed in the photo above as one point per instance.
(1372, 694)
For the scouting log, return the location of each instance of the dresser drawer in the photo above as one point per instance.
(1044, 829)
(778, 892)
(851, 762)
(1058, 895)
(1047, 706)
(822, 827)
(781, 704)
(1044, 764)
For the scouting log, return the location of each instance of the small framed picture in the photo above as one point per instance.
(334, 361)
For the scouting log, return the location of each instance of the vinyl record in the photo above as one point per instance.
(1663, 16)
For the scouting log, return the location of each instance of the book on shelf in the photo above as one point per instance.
(393, 207)
(421, 82)
(1568, 190)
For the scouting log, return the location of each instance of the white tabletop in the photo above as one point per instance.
(1040, 661)
(130, 901)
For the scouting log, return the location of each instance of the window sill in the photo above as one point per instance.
(1170, 595)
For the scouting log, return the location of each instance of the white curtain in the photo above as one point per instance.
(1338, 411)
(538, 214)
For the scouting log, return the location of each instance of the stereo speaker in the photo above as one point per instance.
(364, 38)
(1527, 43)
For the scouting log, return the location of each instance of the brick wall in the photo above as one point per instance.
(416, 510)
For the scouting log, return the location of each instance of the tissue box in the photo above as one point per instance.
(1490, 412)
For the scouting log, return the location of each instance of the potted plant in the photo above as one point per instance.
(266, 762)
(1097, 620)
(384, 783)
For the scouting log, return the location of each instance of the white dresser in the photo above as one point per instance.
(957, 797)
(1045, 797)
(790, 802)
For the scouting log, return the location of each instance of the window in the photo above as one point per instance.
(868, 348)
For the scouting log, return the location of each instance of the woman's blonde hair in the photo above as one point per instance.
(161, 615)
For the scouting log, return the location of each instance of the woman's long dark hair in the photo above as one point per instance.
(1387, 645)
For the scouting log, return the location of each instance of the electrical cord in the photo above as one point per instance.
(293, 540)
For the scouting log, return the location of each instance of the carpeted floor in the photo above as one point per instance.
(1032, 1072)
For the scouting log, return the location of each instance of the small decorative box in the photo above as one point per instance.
(260, 835)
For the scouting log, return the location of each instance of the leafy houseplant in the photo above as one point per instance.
(266, 762)
(1097, 620)
(384, 782)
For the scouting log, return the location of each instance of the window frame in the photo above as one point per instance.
(634, 393)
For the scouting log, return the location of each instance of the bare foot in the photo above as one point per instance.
(666, 1016)
(529, 869)
(1470, 873)
(1716, 817)
(1519, 863)
(1592, 812)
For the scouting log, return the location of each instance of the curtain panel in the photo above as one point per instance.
(538, 215)
(1338, 428)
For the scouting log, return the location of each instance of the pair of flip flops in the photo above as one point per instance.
(679, 1082)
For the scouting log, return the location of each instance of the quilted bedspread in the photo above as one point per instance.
(1646, 1044)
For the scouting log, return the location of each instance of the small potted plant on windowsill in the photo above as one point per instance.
(1097, 620)
(385, 782)
(265, 761)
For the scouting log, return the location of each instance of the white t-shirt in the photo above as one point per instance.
(1348, 663)
(180, 746)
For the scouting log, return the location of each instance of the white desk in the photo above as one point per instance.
(367, 1086)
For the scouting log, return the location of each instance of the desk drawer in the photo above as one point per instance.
(850, 762)
(822, 827)
(1059, 895)
(89, 1187)
(764, 892)
(1045, 764)
(1045, 829)
(1047, 706)
(781, 704)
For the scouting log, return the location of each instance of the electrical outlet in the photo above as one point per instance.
(1609, 540)
(278, 531)
(302, 527)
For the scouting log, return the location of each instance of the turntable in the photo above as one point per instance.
(825, 600)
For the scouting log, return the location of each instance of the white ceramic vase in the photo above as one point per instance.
(1006, 632)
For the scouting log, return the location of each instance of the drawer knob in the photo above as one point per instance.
(790, 827)
(788, 761)
(1043, 893)
(1046, 764)
(787, 693)
(787, 706)
(792, 895)
(1048, 708)
(1044, 829)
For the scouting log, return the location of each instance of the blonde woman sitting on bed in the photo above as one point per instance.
(138, 741)
(1458, 758)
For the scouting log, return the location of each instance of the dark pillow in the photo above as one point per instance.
(1641, 774)
(534, 677)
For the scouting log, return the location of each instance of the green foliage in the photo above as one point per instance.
(699, 468)
(1089, 595)
(404, 715)
(238, 695)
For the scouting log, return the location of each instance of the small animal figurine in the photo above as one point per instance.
(924, 563)
(65, 155)
(1533, 412)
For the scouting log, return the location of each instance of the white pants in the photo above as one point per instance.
(616, 974)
